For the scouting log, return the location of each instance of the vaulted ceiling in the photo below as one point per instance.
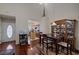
(35, 10)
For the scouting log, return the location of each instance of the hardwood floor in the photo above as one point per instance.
(23, 49)
(33, 49)
(4, 45)
(28, 50)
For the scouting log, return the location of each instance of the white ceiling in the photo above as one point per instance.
(35, 10)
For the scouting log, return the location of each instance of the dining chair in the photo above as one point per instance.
(65, 45)
(46, 43)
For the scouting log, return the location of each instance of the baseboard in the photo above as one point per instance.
(9, 41)
(0, 42)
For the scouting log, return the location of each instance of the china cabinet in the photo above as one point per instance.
(64, 28)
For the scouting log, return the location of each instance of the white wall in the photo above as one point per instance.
(0, 31)
(77, 35)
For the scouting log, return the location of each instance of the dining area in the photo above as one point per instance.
(61, 40)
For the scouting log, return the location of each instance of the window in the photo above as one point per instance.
(9, 31)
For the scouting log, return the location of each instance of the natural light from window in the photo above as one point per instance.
(9, 31)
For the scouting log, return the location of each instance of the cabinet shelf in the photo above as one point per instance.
(67, 30)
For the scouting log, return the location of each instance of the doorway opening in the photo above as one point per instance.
(8, 28)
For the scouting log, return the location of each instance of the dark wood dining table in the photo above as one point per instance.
(55, 39)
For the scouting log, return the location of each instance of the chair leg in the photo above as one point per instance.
(43, 46)
(47, 50)
(52, 46)
(40, 42)
(57, 49)
(67, 51)
(62, 49)
(71, 51)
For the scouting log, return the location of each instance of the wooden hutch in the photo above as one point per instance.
(65, 28)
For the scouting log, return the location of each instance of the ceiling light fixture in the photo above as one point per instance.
(43, 14)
